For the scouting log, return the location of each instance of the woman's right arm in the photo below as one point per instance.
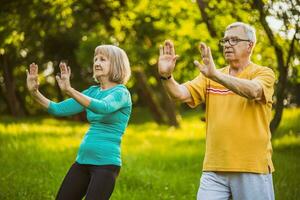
(65, 108)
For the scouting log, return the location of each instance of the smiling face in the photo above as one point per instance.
(241, 50)
(101, 66)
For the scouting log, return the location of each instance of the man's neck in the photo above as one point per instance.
(237, 66)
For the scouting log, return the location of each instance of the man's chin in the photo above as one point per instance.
(229, 58)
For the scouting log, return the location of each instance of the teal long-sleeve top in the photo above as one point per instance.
(108, 114)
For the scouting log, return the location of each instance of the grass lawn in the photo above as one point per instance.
(158, 162)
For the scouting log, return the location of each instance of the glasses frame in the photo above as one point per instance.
(232, 41)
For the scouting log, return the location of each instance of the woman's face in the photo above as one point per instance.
(101, 65)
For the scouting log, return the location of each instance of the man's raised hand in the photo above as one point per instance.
(167, 59)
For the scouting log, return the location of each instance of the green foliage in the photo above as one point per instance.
(49, 31)
(158, 162)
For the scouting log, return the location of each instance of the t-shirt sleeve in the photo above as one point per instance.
(197, 89)
(116, 100)
(67, 107)
(266, 78)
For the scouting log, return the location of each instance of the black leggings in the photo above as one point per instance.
(96, 182)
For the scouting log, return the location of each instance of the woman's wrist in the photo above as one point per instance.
(69, 91)
(34, 92)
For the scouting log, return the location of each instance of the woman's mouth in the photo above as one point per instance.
(98, 68)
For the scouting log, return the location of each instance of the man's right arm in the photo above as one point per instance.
(177, 91)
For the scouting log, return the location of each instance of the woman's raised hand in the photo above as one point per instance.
(32, 78)
(64, 79)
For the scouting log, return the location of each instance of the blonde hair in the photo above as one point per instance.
(119, 64)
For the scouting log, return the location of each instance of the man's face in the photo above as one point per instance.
(237, 50)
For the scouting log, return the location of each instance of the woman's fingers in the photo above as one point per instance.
(64, 69)
(33, 69)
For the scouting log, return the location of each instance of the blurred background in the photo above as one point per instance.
(163, 146)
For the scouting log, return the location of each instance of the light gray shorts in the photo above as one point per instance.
(236, 186)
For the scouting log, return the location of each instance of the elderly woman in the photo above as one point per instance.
(108, 108)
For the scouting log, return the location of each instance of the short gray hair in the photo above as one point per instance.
(249, 30)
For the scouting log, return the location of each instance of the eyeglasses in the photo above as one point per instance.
(232, 41)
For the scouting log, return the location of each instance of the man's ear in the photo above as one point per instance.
(250, 46)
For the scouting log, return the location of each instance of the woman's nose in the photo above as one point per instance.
(97, 63)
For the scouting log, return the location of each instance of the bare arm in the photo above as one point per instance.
(177, 91)
(65, 86)
(41, 99)
(166, 65)
(250, 89)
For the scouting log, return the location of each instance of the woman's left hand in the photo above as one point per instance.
(64, 79)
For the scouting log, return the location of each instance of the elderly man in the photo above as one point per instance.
(238, 100)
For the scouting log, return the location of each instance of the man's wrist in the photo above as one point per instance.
(165, 77)
(216, 76)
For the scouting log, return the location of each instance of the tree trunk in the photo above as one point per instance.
(146, 94)
(10, 93)
(282, 68)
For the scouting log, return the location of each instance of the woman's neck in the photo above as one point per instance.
(106, 84)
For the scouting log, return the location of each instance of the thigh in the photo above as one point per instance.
(102, 182)
(249, 186)
(213, 186)
(75, 183)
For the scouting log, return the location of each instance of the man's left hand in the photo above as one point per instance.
(208, 67)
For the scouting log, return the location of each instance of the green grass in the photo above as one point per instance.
(158, 162)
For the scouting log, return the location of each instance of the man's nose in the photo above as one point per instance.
(227, 44)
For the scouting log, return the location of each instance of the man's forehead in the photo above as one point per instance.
(235, 31)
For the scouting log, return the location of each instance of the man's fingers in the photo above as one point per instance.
(161, 50)
(175, 57)
(166, 49)
(196, 62)
(202, 48)
(171, 47)
(209, 54)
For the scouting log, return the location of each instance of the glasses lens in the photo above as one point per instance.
(233, 41)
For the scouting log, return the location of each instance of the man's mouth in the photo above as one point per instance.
(228, 52)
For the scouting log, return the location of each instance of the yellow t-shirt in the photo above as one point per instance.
(238, 138)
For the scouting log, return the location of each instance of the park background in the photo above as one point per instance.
(163, 147)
